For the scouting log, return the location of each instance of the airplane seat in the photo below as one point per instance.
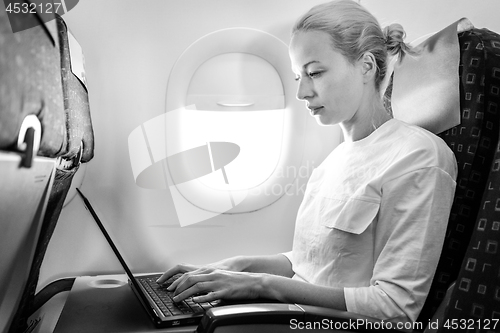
(44, 120)
(475, 299)
(470, 254)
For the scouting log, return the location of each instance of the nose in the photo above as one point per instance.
(304, 90)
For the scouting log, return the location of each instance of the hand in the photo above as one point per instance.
(214, 284)
(178, 269)
(235, 264)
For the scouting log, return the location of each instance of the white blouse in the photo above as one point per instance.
(373, 220)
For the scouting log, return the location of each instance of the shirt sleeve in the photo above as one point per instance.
(412, 223)
(288, 255)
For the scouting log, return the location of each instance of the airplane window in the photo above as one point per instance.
(232, 137)
(236, 120)
(240, 100)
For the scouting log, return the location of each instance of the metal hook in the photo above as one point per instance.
(29, 138)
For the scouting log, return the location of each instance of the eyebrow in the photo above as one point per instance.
(309, 63)
(304, 67)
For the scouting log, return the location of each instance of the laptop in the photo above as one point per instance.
(155, 298)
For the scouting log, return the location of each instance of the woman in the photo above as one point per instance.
(370, 228)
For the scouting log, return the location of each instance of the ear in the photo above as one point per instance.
(369, 66)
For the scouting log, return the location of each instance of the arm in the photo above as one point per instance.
(251, 277)
(217, 284)
(412, 224)
(294, 291)
(276, 264)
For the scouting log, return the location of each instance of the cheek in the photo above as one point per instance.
(343, 90)
(352, 90)
(343, 93)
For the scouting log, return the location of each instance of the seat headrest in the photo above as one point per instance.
(425, 89)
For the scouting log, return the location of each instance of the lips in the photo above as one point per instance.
(315, 109)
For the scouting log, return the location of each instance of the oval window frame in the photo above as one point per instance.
(273, 50)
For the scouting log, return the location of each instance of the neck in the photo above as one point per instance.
(365, 123)
(391, 62)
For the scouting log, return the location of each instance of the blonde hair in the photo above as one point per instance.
(354, 31)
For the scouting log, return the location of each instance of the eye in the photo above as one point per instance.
(313, 75)
(297, 78)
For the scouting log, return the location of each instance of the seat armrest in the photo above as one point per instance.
(279, 317)
(249, 314)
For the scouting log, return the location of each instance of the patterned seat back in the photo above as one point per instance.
(470, 254)
(476, 297)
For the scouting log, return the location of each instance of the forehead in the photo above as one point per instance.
(311, 46)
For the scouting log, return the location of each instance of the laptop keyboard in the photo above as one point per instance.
(163, 298)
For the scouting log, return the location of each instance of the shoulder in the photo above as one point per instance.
(422, 148)
(418, 137)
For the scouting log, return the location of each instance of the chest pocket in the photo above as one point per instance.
(353, 215)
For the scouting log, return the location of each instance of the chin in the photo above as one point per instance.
(325, 122)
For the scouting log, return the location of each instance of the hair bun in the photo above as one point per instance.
(394, 40)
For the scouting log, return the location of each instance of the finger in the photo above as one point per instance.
(174, 284)
(194, 284)
(181, 268)
(202, 287)
(186, 275)
(210, 297)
